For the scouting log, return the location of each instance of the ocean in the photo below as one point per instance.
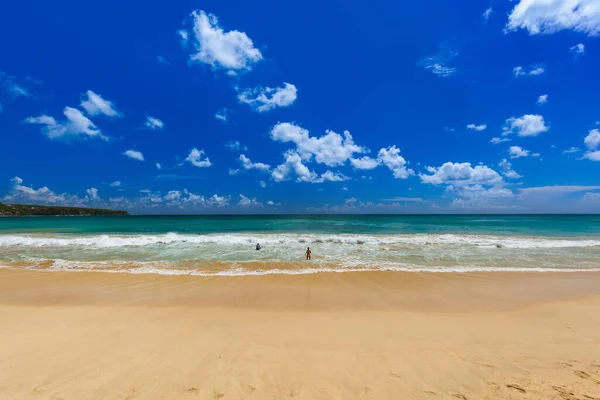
(225, 245)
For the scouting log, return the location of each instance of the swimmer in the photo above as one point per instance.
(308, 253)
(258, 246)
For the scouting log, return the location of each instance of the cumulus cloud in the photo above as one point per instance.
(533, 70)
(507, 170)
(365, 162)
(550, 16)
(592, 142)
(461, 174)
(233, 171)
(248, 202)
(75, 126)
(198, 158)
(21, 194)
(332, 149)
(116, 184)
(440, 64)
(230, 50)
(487, 14)
(547, 193)
(265, 98)
(477, 128)
(527, 125)
(92, 193)
(543, 99)
(294, 168)
(517, 152)
(221, 115)
(236, 146)
(153, 123)
(577, 49)
(136, 155)
(391, 158)
(94, 105)
(248, 164)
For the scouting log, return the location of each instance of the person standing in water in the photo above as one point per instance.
(257, 246)
(308, 253)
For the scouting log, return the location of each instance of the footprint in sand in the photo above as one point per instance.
(516, 387)
(460, 396)
(193, 390)
(218, 395)
(582, 374)
(395, 375)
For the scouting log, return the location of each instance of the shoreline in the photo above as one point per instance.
(382, 335)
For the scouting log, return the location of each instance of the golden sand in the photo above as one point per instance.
(67, 335)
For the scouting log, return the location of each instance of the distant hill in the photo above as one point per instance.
(15, 210)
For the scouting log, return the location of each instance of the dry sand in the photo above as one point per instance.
(324, 336)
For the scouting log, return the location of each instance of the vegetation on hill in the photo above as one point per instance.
(14, 210)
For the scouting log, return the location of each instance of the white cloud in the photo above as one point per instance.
(592, 155)
(136, 155)
(231, 50)
(477, 128)
(262, 184)
(507, 170)
(76, 126)
(248, 202)
(236, 146)
(461, 174)
(577, 49)
(440, 64)
(571, 150)
(448, 129)
(486, 15)
(233, 171)
(21, 194)
(331, 149)
(270, 203)
(294, 168)
(116, 184)
(158, 166)
(550, 16)
(184, 35)
(264, 99)
(92, 193)
(15, 90)
(592, 140)
(527, 125)
(517, 152)
(365, 162)
(221, 115)
(534, 70)
(195, 158)
(392, 159)
(94, 105)
(153, 123)
(543, 99)
(406, 200)
(498, 140)
(248, 164)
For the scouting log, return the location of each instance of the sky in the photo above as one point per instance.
(196, 107)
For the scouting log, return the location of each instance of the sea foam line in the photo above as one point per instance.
(115, 241)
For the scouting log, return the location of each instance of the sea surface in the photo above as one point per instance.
(225, 245)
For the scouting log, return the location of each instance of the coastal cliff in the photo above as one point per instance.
(18, 210)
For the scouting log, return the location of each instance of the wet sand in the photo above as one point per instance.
(378, 335)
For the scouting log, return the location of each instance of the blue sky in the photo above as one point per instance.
(233, 106)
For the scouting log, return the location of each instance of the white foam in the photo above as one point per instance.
(245, 239)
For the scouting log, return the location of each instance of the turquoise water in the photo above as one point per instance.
(224, 245)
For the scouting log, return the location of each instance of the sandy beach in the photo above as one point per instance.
(379, 335)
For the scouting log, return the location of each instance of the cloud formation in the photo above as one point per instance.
(526, 125)
(153, 123)
(94, 105)
(550, 16)
(136, 155)
(198, 158)
(75, 126)
(265, 98)
(230, 50)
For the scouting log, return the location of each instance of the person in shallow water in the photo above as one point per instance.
(258, 246)
(308, 253)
